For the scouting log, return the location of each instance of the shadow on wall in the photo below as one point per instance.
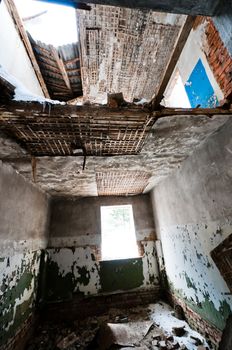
(74, 271)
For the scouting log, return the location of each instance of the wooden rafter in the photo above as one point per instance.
(61, 66)
(183, 36)
(208, 112)
(73, 60)
(20, 28)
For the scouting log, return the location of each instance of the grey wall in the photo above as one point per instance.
(74, 219)
(24, 213)
(223, 23)
(74, 265)
(193, 211)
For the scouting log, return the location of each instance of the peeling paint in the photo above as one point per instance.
(150, 267)
(192, 274)
(18, 282)
(72, 270)
(76, 270)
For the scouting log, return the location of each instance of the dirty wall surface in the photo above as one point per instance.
(193, 211)
(73, 262)
(23, 225)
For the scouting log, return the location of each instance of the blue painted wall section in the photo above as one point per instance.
(199, 89)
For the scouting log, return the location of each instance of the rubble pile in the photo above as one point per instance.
(129, 329)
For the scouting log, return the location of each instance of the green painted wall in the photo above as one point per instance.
(123, 274)
(71, 271)
(18, 284)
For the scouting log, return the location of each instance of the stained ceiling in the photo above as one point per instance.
(125, 50)
(168, 142)
(95, 150)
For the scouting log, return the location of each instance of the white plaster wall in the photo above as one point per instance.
(193, 51)
(13, 55)
(193, 216)
(187, 255)
(12, 270)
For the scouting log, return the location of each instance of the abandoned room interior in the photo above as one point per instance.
(115, 174)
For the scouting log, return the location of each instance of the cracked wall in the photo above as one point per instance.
(193, 215)
(23, 224)
(74, 265)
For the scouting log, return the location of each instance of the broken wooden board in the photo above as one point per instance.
(122, 334)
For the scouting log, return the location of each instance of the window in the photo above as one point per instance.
(118, 232)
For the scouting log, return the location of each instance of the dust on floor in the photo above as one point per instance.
(141, 328)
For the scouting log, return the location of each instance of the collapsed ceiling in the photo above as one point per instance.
(168, 142)
(125, 50)
(95, 150)
(60, 68)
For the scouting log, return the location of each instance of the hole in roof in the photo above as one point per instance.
(50, 23)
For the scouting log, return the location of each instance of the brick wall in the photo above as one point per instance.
(81, 307)
(219, 59)
(210, 332)
(218, 56)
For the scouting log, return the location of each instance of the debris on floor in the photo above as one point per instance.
(162, 315)
(122, 334)
(141, 328)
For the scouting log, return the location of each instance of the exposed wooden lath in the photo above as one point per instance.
(116, 183)
(60, 68)
(72, 130)
(125, 50)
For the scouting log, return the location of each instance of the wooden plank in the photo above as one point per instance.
(61, 66)
(75, 100)
(183, 36)
(75, 70)
(20, 28)
(133, 112)
(71, 61)
(43, 50)
(174, 112)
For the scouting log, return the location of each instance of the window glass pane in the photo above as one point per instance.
(118, 232)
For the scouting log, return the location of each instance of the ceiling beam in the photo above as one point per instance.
(187, 7)
(61, 67)
(181, 41)
(129, 110)
(22, 33)
(183, 112)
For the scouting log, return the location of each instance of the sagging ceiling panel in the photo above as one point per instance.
(119, 183)
(67, 130)
(125, 50)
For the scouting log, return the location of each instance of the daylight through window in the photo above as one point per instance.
(118, 232)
